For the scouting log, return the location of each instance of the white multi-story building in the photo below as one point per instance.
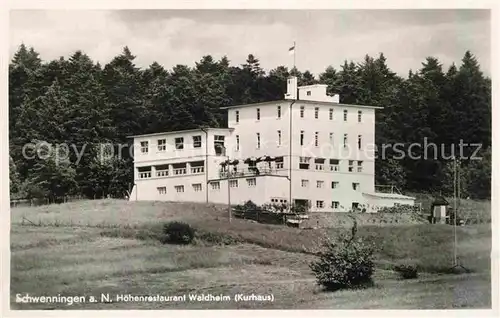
(306, 149)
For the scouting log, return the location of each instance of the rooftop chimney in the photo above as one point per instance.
(291, 88)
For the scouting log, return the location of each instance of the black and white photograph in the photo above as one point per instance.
(244, 158)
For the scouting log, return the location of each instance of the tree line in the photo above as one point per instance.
(83, 103)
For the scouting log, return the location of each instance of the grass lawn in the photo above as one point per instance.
(104, 253)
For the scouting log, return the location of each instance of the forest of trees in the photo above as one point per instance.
(77, 101)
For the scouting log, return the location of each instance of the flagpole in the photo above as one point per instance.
(294, 53)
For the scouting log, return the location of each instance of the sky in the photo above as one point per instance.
(322, 37)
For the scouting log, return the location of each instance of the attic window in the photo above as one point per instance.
(308, 93)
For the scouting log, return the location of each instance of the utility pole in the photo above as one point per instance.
(229, 212)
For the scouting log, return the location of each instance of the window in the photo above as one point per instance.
(279, 137)
(197, 187)
(319, 164)
(320, 184)
(258, 113)
(351, 165)
(301, 137)
(304, 183)
(359, 141)
(237, 116)
(219, 145)
(316, 112)
(196, 141)
(360, 166)
(144, 146)
(179, 143)
(304, 163)
(233, 183)
(330, 114)
(279, 111)
(251, 182)
(331, 138)
(162, 144)
(335, 204)
(162, 190)
(355, 205)
(161, 170)
(334, 165)
(179, 188)
(320, 204)
(316, 139)
(355, 186)
(258, 140)
(335, 184)
(301, 111)
(279, 162)
(360, 113)
(345, 140)
(237, 143)
(215, 185)
(345, 114)
(308, 93)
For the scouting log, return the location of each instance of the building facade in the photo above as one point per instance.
(307, 149)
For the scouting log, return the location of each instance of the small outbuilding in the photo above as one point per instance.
(438, 210)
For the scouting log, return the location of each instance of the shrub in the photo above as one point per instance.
(347, 263)
(178, 233)
(406, 271)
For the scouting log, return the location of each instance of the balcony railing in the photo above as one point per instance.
(179, 171)
(197, 169)
(162, 173)
(248, 172)
(144, 175)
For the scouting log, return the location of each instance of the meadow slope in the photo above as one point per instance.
(109, 246)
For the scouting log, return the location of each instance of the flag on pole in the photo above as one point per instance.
(292, 49)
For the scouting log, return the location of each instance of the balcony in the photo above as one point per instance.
(249, 172)
(179, 171)
(197, 169)
(162, 173)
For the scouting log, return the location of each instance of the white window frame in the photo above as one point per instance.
(258, 140)
(161, 190)
(179, 145)
(346, 112)
(215, 185)
(279, 111)
(302, 111)
(144, 147)
(320, 184)
(233, 183)
(304, 183)
(330, 114)
(237, 115)
(279, 137)
(258, 114)
(320, 204)
(197, 187)
(162, 145)
(335, 184)
(251, 182)
(197, 143)
(179, 188)
(316, 112)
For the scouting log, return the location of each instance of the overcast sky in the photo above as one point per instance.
(323, 38)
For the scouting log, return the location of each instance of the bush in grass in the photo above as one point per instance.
(406, 271)
(346, 263)
(178, 233)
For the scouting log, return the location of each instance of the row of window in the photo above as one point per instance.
(319, 164)
(302, 137)
(302, 113)
(321, 184)
(179, 188)
(196, 167)
(179, 143)
(215, 185)
(320, 204)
